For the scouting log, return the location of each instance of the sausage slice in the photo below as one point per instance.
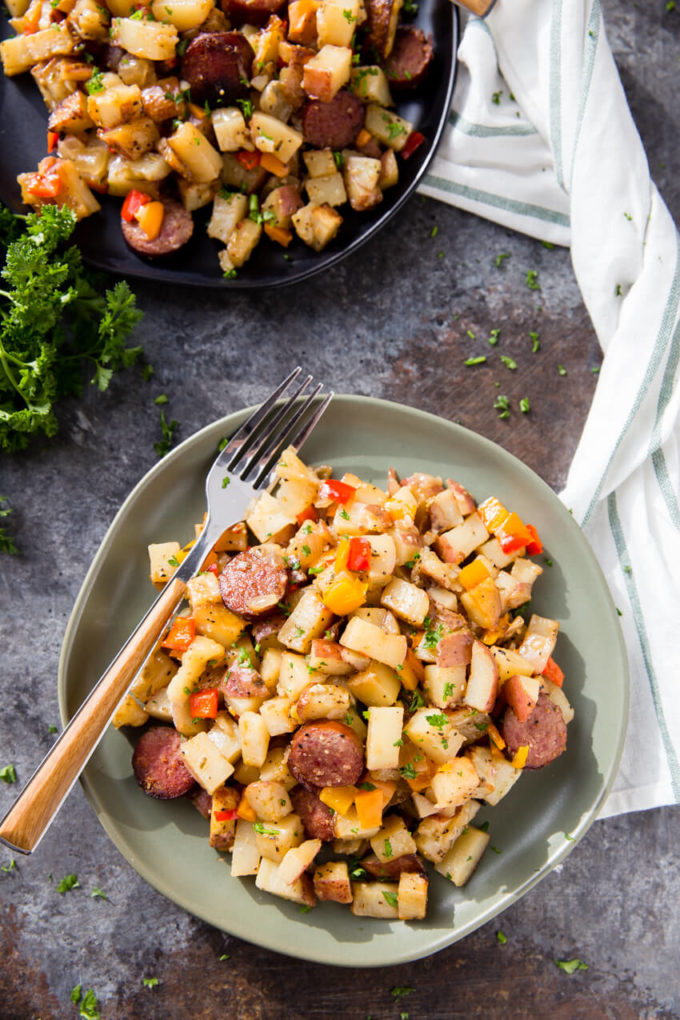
(316, 817)
(254, 581)
(217, 66)
(544, 732)
(159, 766)
(177, 228)
(410, 58)
(333, 125)
(325, 754)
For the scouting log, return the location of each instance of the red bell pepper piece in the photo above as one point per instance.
(553, 672)
(535, 546)
(359, 556)
(309, 514)
(339, 492)
(45, 182)
(204, 704)
(181, 634)
(225, 815)
(413, 142)
(134, 200)
(248, 160)
(52, 139)
(512, 534)
(213, 568)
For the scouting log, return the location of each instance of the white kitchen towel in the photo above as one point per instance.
(541, 140)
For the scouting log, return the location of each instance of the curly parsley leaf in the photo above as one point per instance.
(55, 320)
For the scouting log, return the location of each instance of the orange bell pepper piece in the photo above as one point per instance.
(181, 634)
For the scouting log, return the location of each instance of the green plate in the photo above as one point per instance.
(534, 828)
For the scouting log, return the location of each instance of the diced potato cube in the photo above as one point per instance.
(269, 880)
(387, 127)
(276, 715)
(497, 774)
(151, 39)
(326, 72)
(275, 839)
(329, 189)
(276, 769)
(323, 701)
(224, 734)
(160, 553)
(389, 170)
(336, 22)
(159, 706)
(456, 544)
(20, 53)
(455, 784)
(393, 840)
(269, 520)
(375, 899)
(271, 135)
(199, 158)
(308, 620)
(245, 858)
(231, 130)
(436, 835)
(444, 685)
(316, 225)
(269, 800)
(228, 210)
(207, 765)
(293, 677)
(412, 896)
(297, 860)
(254, 739)
(377, 685)
(129, 713)
(203, 589)
(183, 14)
(218, 623)
(367, 639)
(362, 174)
(331, 882)
(348, 826)
(384, 737)
(369, 82)
(115, 105)
(406, 600)
(433, 734)
(319, 162)
(460, 862)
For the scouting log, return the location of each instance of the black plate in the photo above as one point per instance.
(23, 124)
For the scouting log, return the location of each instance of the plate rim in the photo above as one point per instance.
(445, 938)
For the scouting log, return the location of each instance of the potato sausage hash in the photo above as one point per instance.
(352, 670)
(276, 113)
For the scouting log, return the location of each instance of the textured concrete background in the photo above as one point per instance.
(391, 322)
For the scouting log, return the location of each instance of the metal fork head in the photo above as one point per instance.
(247, 464)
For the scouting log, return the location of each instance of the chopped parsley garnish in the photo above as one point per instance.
(524, 405)
(433, 634)
(67, 883)
(339, 159)
(388, 848)
(496, 97)
(494, 334)
(561, 370)
(478, 360)
(151, 982)
(508, 362)
(7, 543)
(416, 701)
(344, 514)
(356, 872)
(391, 898)
(535, 342)
(161, 399)
(246, 107)
(571, 966)
(502, 405)
(89, 1006)
(225, 481)
(9, 867)
(532, 279)
(306, 551)
(95, 83)
(448, 689)
(438, 719)
(8, 774)
(167, 432)
(408, 771)
(262, 830)
(501, 937)
(400, 990)
(367, 786)
(98, 894)
(498, 261)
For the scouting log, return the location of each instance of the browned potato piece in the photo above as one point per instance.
(331, 882)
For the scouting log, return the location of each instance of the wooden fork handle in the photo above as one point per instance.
(34, 809)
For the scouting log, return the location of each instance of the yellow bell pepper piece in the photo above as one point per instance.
(492, 512)
(342, 555)
(520, 758)
(474, 573)
(345, 594)
(150, 218)
(369, 805)
(245, 811)
(339, 798)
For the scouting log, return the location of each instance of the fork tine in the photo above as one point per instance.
(246, 430)
(243, 467)
(300, 437)
(269, 457)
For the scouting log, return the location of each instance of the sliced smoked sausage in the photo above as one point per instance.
(392, 869)
(325, 754)
(159, 766)
(333, 125)
(381, 25)
(177, 228)
(544, 732)
(316, 817)
(410, 58)
(254, 581)
(251, 12)
(218, 66)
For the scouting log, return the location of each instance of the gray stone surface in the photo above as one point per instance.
(390, 322)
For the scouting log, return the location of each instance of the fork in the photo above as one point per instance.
(245, 467)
